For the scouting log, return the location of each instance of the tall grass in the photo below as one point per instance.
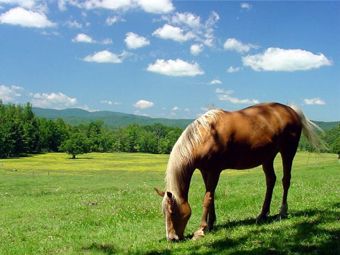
(105, 204)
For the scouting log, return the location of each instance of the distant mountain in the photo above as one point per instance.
(76, 116)
(327, 125)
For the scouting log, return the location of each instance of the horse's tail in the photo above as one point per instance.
(310, 130)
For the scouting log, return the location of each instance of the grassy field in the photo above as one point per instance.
(105, 204)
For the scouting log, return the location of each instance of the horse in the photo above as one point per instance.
(238, 140)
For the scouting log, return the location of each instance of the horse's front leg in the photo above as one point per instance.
(208, 216)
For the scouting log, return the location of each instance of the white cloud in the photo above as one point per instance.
(150, 6)
(196, 49)
(156, 6)
(73, 24)
(21, 17)
(187, 19)
(208, 29)
(226, 95)
(143, 104)
(83, 38)
(106, 56)
(134, 41)
(176, 67)
(246, 6)
(170, 32)
(233, 44)
(214, 82)
(9, 93)
(104, 4)
(289, 60)
(232, 69)
(190, 26)
(314, 101)
(53, 100)
(113, 20)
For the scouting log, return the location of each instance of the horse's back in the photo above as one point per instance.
(248, 137)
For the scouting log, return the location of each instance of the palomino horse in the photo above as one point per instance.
(220, 140)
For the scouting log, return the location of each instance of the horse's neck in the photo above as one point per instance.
(178, 181)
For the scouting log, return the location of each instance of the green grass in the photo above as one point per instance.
(105, 204)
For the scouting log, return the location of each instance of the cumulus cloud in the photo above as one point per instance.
(106, 56)
(150, 6)
(143, 104)
(134, 41)
(176, 67)
(226, 95)
(196, 49)
(314, 101)
(214, 82)
(233, 44)
(10, 93)
(53, 100)
(19, 16)
(83, 38)
(232, 69)
(289, 60)
(156, 6)
(170, 32)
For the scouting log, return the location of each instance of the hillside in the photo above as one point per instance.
(111, 119)
(117, 119)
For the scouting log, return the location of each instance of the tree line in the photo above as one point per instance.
(22, 133)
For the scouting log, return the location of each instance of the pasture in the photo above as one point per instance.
(105, 204)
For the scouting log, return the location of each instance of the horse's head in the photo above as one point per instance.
(176, 216)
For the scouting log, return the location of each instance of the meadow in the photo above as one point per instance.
(104, 203)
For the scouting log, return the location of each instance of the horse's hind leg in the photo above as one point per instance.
(287, 160)
(268, 169)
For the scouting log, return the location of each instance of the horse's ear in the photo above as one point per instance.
(161, 193)
(171, 202)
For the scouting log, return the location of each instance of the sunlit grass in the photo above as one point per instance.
(88, 162)
(105, 204)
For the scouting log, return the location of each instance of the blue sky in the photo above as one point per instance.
(172, 59)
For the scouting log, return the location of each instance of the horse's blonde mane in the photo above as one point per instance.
(182, 153)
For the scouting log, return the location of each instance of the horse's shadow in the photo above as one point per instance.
(297, 243)
(304, 230)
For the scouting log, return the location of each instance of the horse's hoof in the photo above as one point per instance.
(282, 216)
(198, 234)
(283, 212)
(261, 218)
